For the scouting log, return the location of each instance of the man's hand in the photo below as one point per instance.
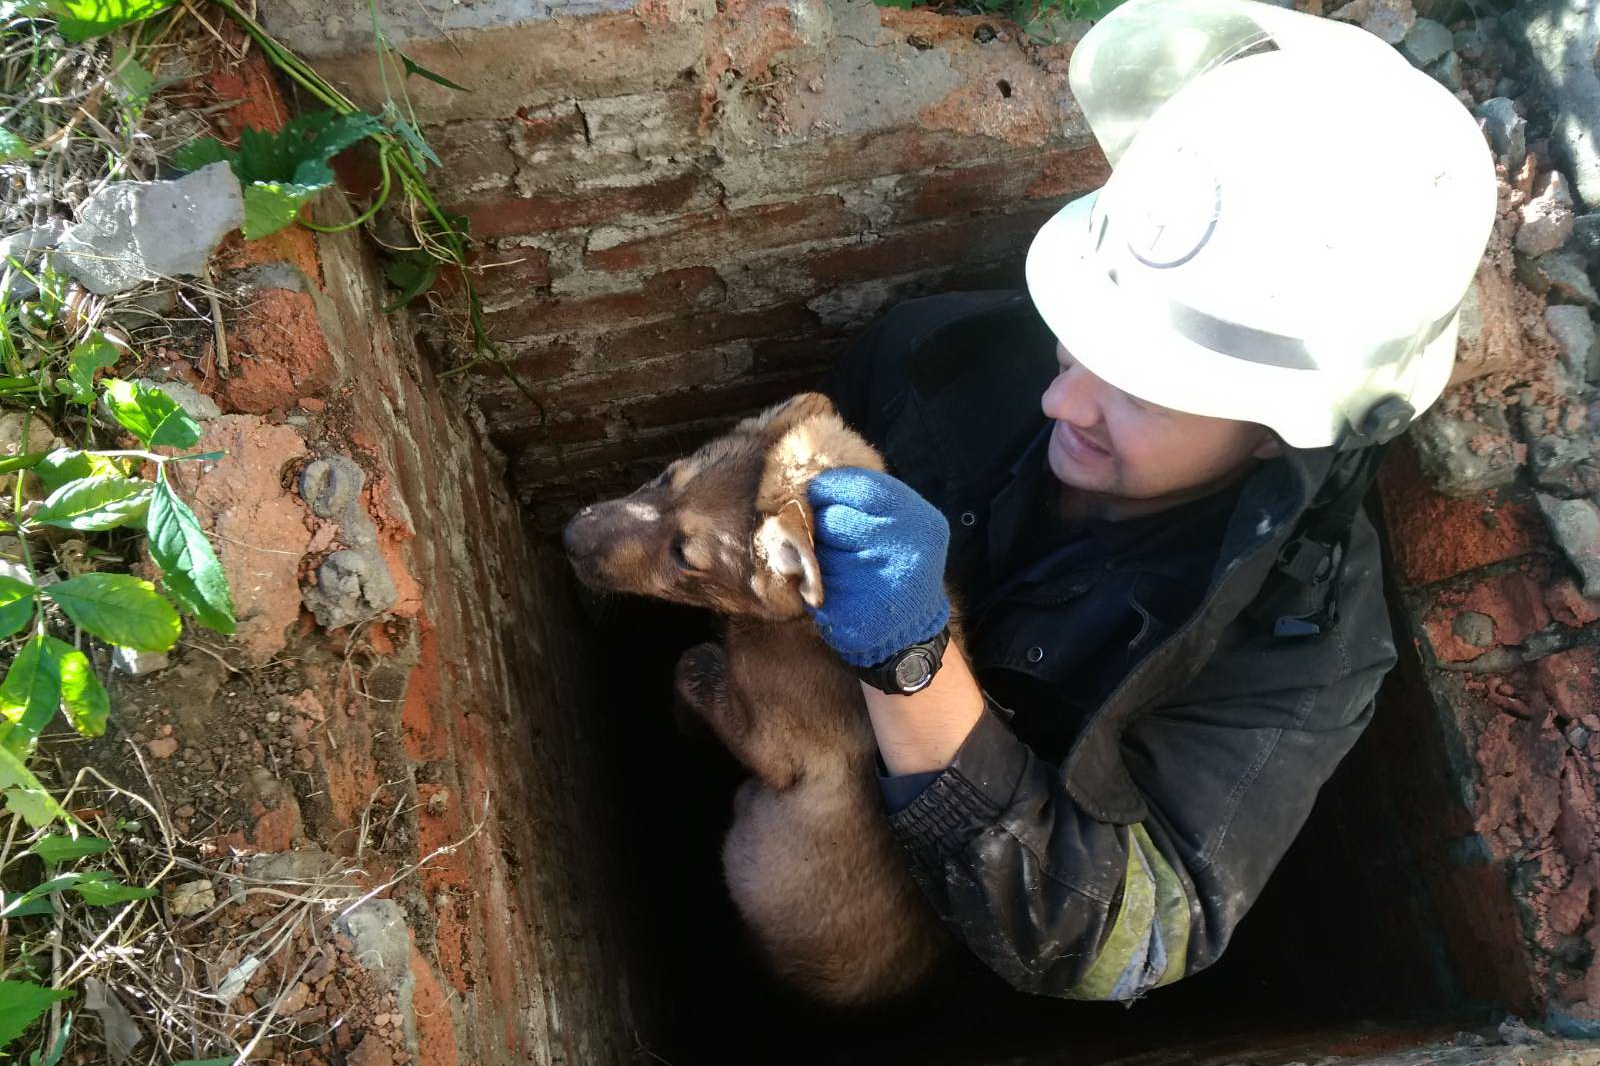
(881, 548)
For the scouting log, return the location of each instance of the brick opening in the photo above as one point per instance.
(1372, 924)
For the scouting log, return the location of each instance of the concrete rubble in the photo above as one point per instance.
(136, 231)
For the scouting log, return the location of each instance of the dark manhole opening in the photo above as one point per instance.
(1354, 931)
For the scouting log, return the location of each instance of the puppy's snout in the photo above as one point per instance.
(578, 537)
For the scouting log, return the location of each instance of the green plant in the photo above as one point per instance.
(440, 237)
(76, 516)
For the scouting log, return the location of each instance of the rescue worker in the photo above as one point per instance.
(1143, 479)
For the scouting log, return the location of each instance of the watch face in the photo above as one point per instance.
(913, 671)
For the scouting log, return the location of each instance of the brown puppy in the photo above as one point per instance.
(809, 859)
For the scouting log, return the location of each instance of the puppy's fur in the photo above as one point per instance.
(809, 860)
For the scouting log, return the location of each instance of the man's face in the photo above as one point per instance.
(1137, 454)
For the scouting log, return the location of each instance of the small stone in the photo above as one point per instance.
(1507, 131)
(1574, 332)
(138, 663)
(274, 717)
(372, 1051)
(186, 811)
(1475, 628)
(333, 997)
(1447, 72)
(1578, 737)
(1463, 455)
(1389, 19)
(1576, 527)
(1547, 219)
(1426, 41)
(162, 747)
(294, 999)
(192, 897)
(1561, 273)
(1586, 235)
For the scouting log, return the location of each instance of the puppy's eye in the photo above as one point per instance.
(679, 553)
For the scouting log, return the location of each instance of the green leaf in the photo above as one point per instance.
(96, 353)
(20, 462)
(82, 696)
(16, 605)
(64, 465)
(12, 146)
(79, 20)
(119, 609)
(413, 275)
(413, 67)
(32, 908)
(95, 503)
(133, 82)
(150, 414)
(22, 1003)
(300, 151)
(25, 796)
(99, 889)
(53, 1056)
(188, 565)
(417, 148)
(30, 695)
(57, 848)
(270, 206)
(201, 152)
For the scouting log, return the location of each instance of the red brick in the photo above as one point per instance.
(536, 466)
(802, 354)
(721, 401)
(543, 128)
(716, 234)
(981, 237)
(825, 162)
(558, 428)
(994, 186)
(474, 153)
(502, 271)
(1433, 536)
(700, 331)
(670, 292)
(1514, 602)
(506, 216)
(579, 394)
(532, 362)
(1570, 680)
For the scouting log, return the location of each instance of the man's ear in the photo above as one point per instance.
(783, 543)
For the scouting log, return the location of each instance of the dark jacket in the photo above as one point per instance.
(1150, 748)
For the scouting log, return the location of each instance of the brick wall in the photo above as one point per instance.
(434, 739)
(1492, 524)
(688, 208)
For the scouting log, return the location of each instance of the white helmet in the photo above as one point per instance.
(1293, 218)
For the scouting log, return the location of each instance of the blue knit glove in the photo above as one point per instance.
(881, 549)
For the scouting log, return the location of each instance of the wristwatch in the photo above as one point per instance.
(910, 669)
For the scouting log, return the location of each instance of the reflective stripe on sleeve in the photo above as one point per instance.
(1149, 938)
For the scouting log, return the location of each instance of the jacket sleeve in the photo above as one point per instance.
(1058, 903)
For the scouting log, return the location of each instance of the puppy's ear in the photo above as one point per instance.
(778, 418)
(785, 549)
